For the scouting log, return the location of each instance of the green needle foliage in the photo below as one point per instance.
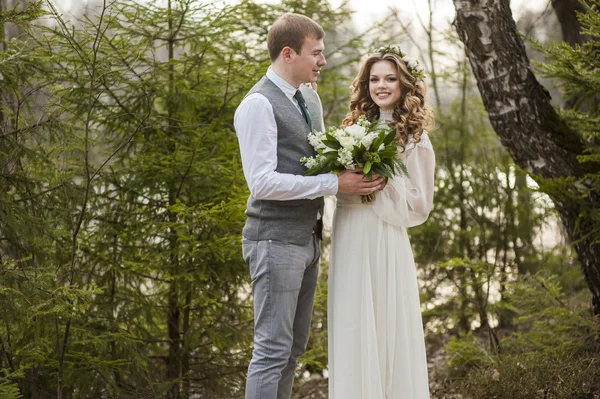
(577, 71)
(122, 196)
(122, 203)
(554, 352)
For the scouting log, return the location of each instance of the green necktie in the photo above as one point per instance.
(300, 98)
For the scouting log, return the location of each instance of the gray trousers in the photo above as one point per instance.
(284, 280)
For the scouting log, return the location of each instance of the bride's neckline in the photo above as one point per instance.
(386, 115)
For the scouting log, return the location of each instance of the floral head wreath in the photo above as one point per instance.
(411, 63)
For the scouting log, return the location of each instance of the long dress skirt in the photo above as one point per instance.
(376, 340)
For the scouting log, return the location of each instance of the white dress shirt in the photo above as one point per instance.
(256, 130)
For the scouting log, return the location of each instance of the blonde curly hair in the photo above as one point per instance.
(412, 114)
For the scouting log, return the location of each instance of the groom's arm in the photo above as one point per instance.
(256, 130)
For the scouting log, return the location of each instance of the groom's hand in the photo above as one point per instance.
(353, 182)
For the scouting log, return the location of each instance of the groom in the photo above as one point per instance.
(281, 238)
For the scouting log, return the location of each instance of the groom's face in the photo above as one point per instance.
(308, 63)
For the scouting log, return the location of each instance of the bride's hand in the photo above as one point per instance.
(353, 182)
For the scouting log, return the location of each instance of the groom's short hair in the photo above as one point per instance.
(290, 30)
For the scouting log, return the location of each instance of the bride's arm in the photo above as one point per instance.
(420, 162)
(407, 200)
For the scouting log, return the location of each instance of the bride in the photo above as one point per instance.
(376, 342)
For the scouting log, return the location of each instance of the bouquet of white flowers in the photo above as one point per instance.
(366, 145)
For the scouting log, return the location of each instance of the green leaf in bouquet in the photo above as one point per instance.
(389, 137)
(332, 143)
(382, 170)
(388, 153)
(330, 137)
(330, 155)
(400, 166)
(358, 151)
(380, 139)
(367, 167)
(311, 172)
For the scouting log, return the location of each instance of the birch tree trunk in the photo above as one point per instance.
(520, 112)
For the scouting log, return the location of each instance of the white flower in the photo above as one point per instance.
(364, 122)
(345, 158)
(347, 142)
(368, 139)
(321, 136)
(356, 131)
(381, 147)
(309, 162)
(337, 133)
(411, 62)
(316, 140)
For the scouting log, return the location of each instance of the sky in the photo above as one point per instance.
(370, 10)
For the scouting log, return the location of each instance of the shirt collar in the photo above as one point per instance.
(285, 87)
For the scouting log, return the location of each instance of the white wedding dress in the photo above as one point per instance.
(376, 341)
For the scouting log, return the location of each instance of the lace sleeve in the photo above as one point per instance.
(423, 143)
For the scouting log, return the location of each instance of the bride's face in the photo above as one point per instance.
(384, 85)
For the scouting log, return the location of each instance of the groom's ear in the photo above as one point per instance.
(287, 54)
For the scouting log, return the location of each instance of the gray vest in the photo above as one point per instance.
(286, 221)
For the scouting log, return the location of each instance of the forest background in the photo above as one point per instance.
(122, 196)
